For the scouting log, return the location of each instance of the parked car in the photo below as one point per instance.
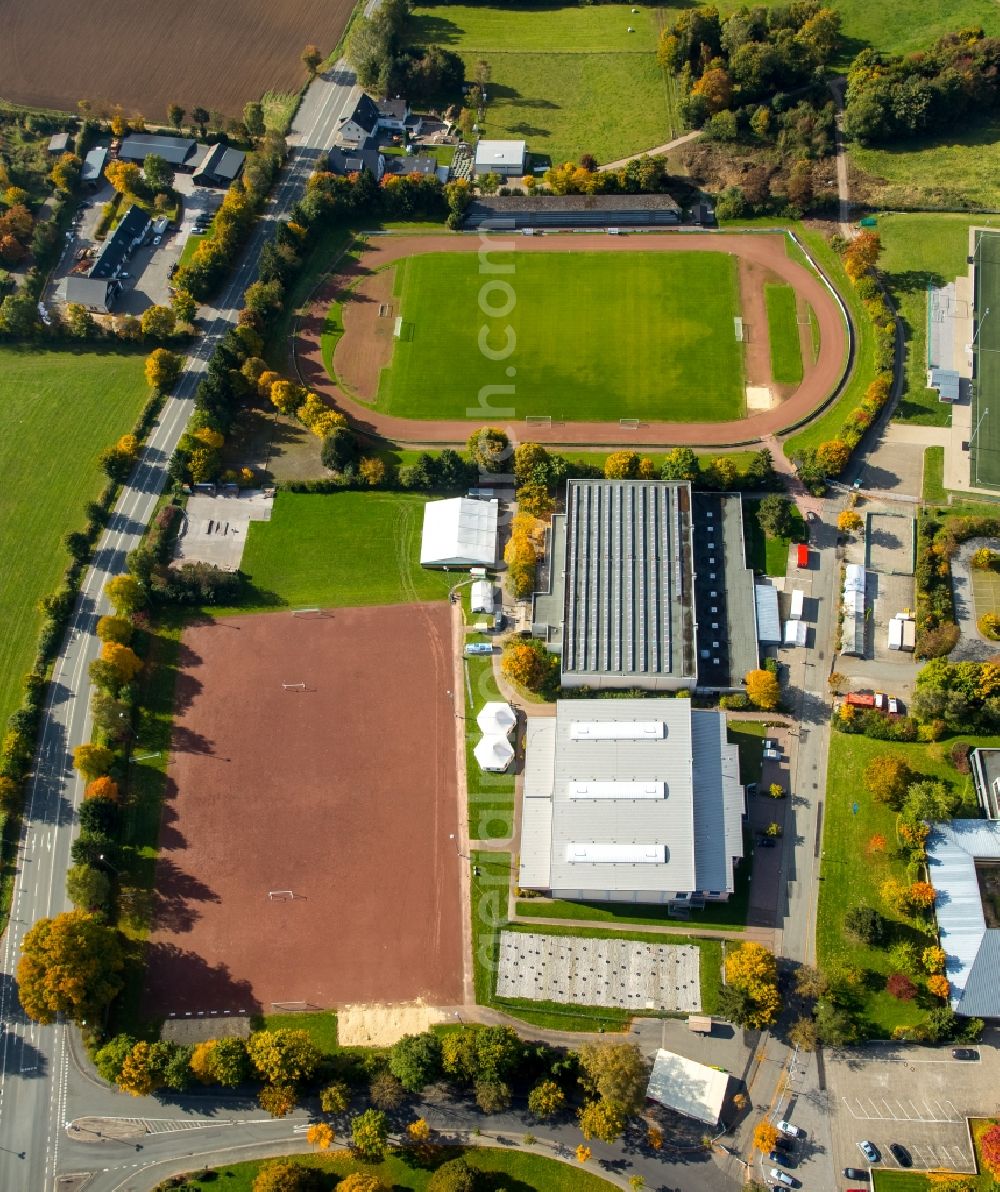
(964, 1053)
(772, 755)
(856, 1173)
(810, 516)
(880, 699)
(790, 1131)
(771, 743)
(782, 1177)
(900, 1154)
(869, 1150)
(894, 707)
(782, 1157)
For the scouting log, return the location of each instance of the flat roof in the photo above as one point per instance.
(500, 153)
(628, 585)
(724, 597)
(651, 814)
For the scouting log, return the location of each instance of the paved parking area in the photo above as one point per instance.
(918, 1097)
(215, 528)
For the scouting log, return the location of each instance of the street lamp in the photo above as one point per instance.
(975, 334)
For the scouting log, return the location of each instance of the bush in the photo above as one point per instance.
(454, 1176)
(989, 626)
(866, 924)
(901, 987)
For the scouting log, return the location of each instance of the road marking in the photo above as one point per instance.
(897, 1111)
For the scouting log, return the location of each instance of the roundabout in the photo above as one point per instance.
(588, 339)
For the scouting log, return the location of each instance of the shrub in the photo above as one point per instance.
(901, 987)
(989, 626)
(866, 924)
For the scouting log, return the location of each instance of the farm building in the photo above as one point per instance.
(93, 166)
(459, 532)
(631, 801)
(95, 293)
(687, 1087)
(132, 230)
(963, 861)
(175, 151)
(216, 165)
(506, 158)
(59, 142)
(573, 211)
(645, 585)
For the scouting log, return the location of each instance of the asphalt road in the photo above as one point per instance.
(37, 1074)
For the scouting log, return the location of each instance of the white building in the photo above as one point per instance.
(631, 800)
(687, 1087)
(459, 532)
(506, 158)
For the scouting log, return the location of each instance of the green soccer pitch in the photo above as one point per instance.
(984, 441)
(597, 336)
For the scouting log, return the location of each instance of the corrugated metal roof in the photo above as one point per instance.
(698, 819)
(973, 950)
(628, 578)
(768, 620)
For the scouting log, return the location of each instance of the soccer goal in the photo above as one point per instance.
(307, 612)
(293, 686)
(629, 423)
(538, 419)
(281, 895)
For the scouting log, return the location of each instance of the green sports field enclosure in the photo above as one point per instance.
(578, 336)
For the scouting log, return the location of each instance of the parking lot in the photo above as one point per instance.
(149, 270)
(918, 1097)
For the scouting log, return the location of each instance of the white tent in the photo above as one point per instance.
(481, 596)
(688, 1087)
(496, 719)
(459, 532)
(494, 753)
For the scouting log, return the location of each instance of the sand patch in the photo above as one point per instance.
(381, 1026)
(760, 397)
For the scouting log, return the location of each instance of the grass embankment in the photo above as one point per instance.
(500, 1169)
(783, 334)
(933, 490)
(667, 340)
(58, 411)
(852, 874)
(921, 251)
(766, 554)
(569, 80)
(828, 424)
(342, 549)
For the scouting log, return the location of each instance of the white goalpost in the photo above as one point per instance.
(293, 686)
(281, 895)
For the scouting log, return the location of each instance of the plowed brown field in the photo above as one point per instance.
(216, 54)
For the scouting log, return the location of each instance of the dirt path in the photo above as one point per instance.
(767, 252)
(365, 348)
(757, 340)
(658, 151)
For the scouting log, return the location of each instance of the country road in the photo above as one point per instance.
(37, 1075)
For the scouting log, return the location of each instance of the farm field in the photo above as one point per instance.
(555, 70)
(852, 875)
(499, 1168)
(783, 334)
(58, 411)
(53, 54)
(665, 349)
(921, 251)
(338, 549)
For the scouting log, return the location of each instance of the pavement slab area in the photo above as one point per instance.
(891, 538)
(215, 528)
(628, 974)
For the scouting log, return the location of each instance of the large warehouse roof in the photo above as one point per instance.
(970, 934)
(627, 603)
(460, 532)
(688, 1087)
(613, 815)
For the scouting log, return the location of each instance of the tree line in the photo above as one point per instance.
(386, 63)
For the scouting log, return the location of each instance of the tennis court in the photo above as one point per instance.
(984, 441)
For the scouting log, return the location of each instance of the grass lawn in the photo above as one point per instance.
(321, 1027)
(340, 549)
(490, 796)
(851, 875)
(663, 349)
(766, 554)
(955, 170)
(58, 411)
(783, 334)
(191, 246)
(920, 251)
(554, 71)
(828, 424)
(934, 490)
(515, 1171)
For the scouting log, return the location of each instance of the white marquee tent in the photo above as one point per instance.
(496, 719)
(459, 532)
(494, 753)
(688, 1087)
(481, 597)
